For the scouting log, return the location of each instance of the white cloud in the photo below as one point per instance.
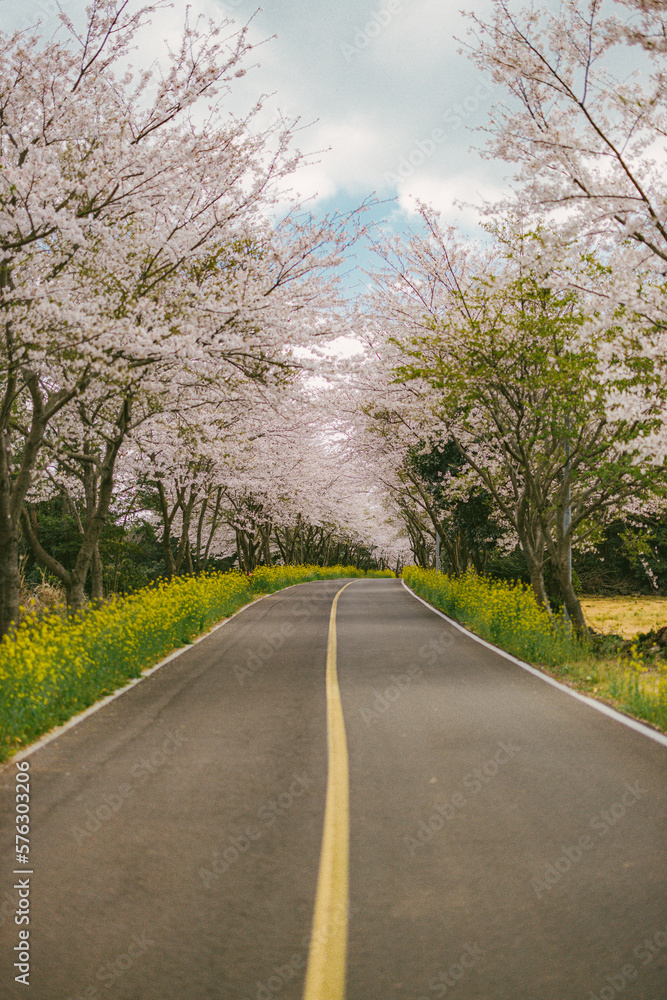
(344, 347)
(377, 108)
(455, 197)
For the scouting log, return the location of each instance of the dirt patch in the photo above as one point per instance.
(626, 616)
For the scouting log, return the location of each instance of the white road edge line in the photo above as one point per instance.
(76, 719)
(591, 702)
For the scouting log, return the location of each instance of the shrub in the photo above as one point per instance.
(506, 614)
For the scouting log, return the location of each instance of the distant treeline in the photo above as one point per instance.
(133, 553)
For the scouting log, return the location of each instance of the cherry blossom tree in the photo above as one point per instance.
(137, 250)
(385, 426)
(585, 124)
(584, 137)
(494, 354)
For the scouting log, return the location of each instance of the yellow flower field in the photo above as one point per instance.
(504, 613)
(54, 667)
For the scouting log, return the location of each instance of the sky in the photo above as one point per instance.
(386, 95)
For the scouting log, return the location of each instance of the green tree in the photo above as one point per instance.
(499, 360)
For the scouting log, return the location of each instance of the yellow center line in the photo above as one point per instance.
(327, 957)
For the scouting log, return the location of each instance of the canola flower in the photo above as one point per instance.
(54, 667)
(508, 615)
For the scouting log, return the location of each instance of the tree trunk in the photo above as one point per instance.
(244, 550)
(266, 545)
(76, 596)
(570, 598)
(281, 548)
(533, 545)
(184, 542)
(96, 576)
(74, 581)
(537, 582)
(10, 581)
(213, 526)
(96, 523)
(15, 478)
(167, 520)
(168, 553)
(200, 530)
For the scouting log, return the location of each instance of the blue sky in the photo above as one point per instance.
(392, 102)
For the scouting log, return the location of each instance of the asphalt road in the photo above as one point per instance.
(507, 842)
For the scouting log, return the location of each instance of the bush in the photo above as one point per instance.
(506, 614)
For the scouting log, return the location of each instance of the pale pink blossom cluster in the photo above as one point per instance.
(585, 123)
(541, 349)
(147, 284)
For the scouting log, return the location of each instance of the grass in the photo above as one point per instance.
(52, 667)
(508, 616)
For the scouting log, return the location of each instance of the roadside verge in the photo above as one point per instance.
(506, 618)
(56, 667)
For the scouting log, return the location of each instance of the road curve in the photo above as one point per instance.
(506, 840)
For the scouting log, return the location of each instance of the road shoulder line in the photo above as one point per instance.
(599, 706)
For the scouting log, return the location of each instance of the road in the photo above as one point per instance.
(506, 841)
